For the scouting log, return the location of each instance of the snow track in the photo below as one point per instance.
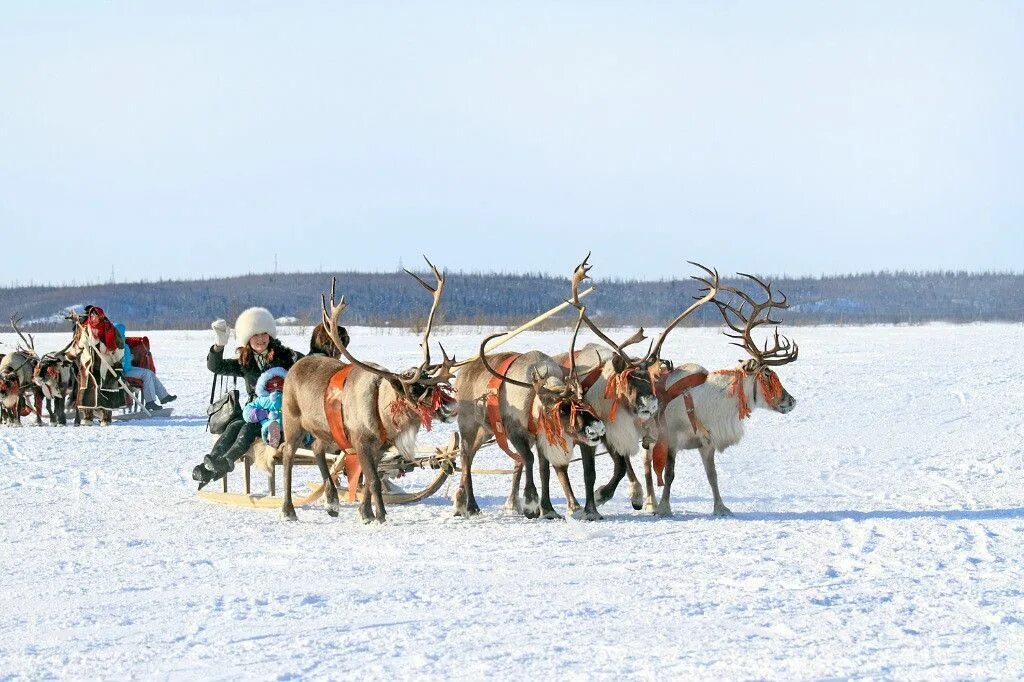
(879, 532)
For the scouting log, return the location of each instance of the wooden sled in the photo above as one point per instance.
(393, 466)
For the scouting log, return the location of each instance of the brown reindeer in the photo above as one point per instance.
(705, 411)
(362, 407)
(623, 392)
(527, 402)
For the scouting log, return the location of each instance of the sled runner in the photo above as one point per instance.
(405, 481)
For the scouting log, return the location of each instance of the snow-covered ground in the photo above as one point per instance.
(879, 532)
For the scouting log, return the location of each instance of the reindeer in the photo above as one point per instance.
(710, 416)
(363, 407)
(531, 403)
(57, 377)
(16, 370)
(623, 392)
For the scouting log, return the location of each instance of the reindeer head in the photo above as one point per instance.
(634, 381)
(755, 383)
(563, 413)
(426, 390)
(10, 389)
(46, 374)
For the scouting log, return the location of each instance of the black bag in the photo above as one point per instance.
(222, 412)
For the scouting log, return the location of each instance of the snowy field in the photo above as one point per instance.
(878, 532)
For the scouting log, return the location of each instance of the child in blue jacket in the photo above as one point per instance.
(265, 408)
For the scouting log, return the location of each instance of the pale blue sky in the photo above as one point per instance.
(202, 138)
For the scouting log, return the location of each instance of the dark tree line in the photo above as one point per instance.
(505, 299)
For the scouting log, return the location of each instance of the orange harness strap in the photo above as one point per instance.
(591, 377)
(336, 422)
(494, 410)
(659, 458)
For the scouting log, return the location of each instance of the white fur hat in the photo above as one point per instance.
(254, 321)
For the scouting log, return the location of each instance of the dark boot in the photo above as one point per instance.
(203, 475)
(168, 399)
(218, 465)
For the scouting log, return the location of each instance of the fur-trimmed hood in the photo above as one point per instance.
(261, 383)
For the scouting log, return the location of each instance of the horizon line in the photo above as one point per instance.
(542, 275)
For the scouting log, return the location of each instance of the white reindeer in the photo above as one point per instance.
(706, 411)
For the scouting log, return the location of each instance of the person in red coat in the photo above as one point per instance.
(103, 333)
(99, 382)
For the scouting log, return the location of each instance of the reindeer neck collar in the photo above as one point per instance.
(769, 385)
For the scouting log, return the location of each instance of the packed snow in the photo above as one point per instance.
(878, 532)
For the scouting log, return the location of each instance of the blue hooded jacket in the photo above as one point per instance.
(126, 361)
(265, 400)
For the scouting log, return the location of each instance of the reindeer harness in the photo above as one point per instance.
(493, 409)
(682, 388)
(336, 422)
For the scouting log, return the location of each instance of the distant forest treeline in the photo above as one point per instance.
(505, 299)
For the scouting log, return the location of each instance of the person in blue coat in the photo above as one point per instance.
(265, 408)
(152, 388)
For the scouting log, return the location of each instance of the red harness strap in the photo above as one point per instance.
(591, 377)
(336, 421)
(494, 410)
(682, 387)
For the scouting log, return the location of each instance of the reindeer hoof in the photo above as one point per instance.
(514, 505)
(722, 510)
(636, 496)
(288, 515)
(663, 511)
(552, 516)
(592, 515)
(602, 495)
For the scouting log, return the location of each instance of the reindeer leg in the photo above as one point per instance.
(331, 502)
(665, 505)
(590, 512)
(636, 493)
(607, 491)
(649, 479)
(372, 508)
(546, 510)
(531, 505)
(707, 456)
(513, 503)
(287, 457)
(465, 502)
(37, 394)
(571, 504)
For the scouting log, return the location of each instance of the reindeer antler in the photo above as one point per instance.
(330, 320)
(487, 365)
(30, 341)
(711, 285)
(578, 276)
(573, 383)
(436, 293)
(783, 351)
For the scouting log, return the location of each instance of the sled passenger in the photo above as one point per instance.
(320, 342)
(258, 351)
(152, 388)
(265, 408)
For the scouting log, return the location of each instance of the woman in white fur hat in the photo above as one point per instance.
(258, 351)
